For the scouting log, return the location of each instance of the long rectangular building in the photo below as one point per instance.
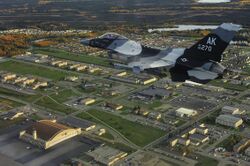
(229, 120)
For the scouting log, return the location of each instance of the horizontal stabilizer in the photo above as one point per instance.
(197, 75)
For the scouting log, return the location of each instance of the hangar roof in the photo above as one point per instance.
(46, 129)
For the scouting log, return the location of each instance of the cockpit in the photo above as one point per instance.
(112, 36)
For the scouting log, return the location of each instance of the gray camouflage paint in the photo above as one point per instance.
(142, 57)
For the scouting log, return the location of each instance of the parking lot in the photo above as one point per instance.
(192, 103)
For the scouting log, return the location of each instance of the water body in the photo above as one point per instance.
(183, 28)
(213, 1)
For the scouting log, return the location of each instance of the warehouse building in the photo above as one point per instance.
(113, 106)
(184, 141)
(146, 81)
(154, 115)
(47, 133)
(230, 110)
(154, 93)
(59, 63)
(11, 115)
(194, 136)
(184, 112)
(39, 84)
(121, 74)
(229, 120)
(28, 81)
(86, 101)
(71, 78)
(202, 129)
(20, 79)
(78, 67)
(198, 138)
(129, 79)
(107, 155)
(8, 76)
(78, 123)
(94, 69)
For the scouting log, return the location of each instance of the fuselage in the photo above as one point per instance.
(165, 58)
(200, 62)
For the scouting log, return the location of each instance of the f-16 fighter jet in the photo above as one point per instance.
(199, 63)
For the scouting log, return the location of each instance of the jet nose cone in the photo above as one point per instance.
(85, 42)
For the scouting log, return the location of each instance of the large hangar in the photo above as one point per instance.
(47, 133)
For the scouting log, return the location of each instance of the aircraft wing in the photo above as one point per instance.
(157, 58)
(148, 64)
(116, 43)
(197, 74)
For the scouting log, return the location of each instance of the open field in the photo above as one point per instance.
(85, 116)
(136, 133)
(71, 56)
(53, 105)
(247, 69)
(210, 119)
(63, 95)
(107, 135)
(20, 96)
(55, 101)
(30, 69)
(206, 161)
(8, 104)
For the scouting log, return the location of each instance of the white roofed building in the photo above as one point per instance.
(181, 112)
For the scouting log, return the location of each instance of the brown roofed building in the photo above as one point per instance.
(47, 133)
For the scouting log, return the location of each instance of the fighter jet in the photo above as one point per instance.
(199, 63)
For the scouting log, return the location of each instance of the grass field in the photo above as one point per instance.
(14, 94)
(107, 135)
(85, 116)
(136, 133)
(23, 68)
(247, 69)
(71, 56)
(9, 104)
(206, 161)
(47, 102)
(210, 119)
(63, 95)
(35, 117)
